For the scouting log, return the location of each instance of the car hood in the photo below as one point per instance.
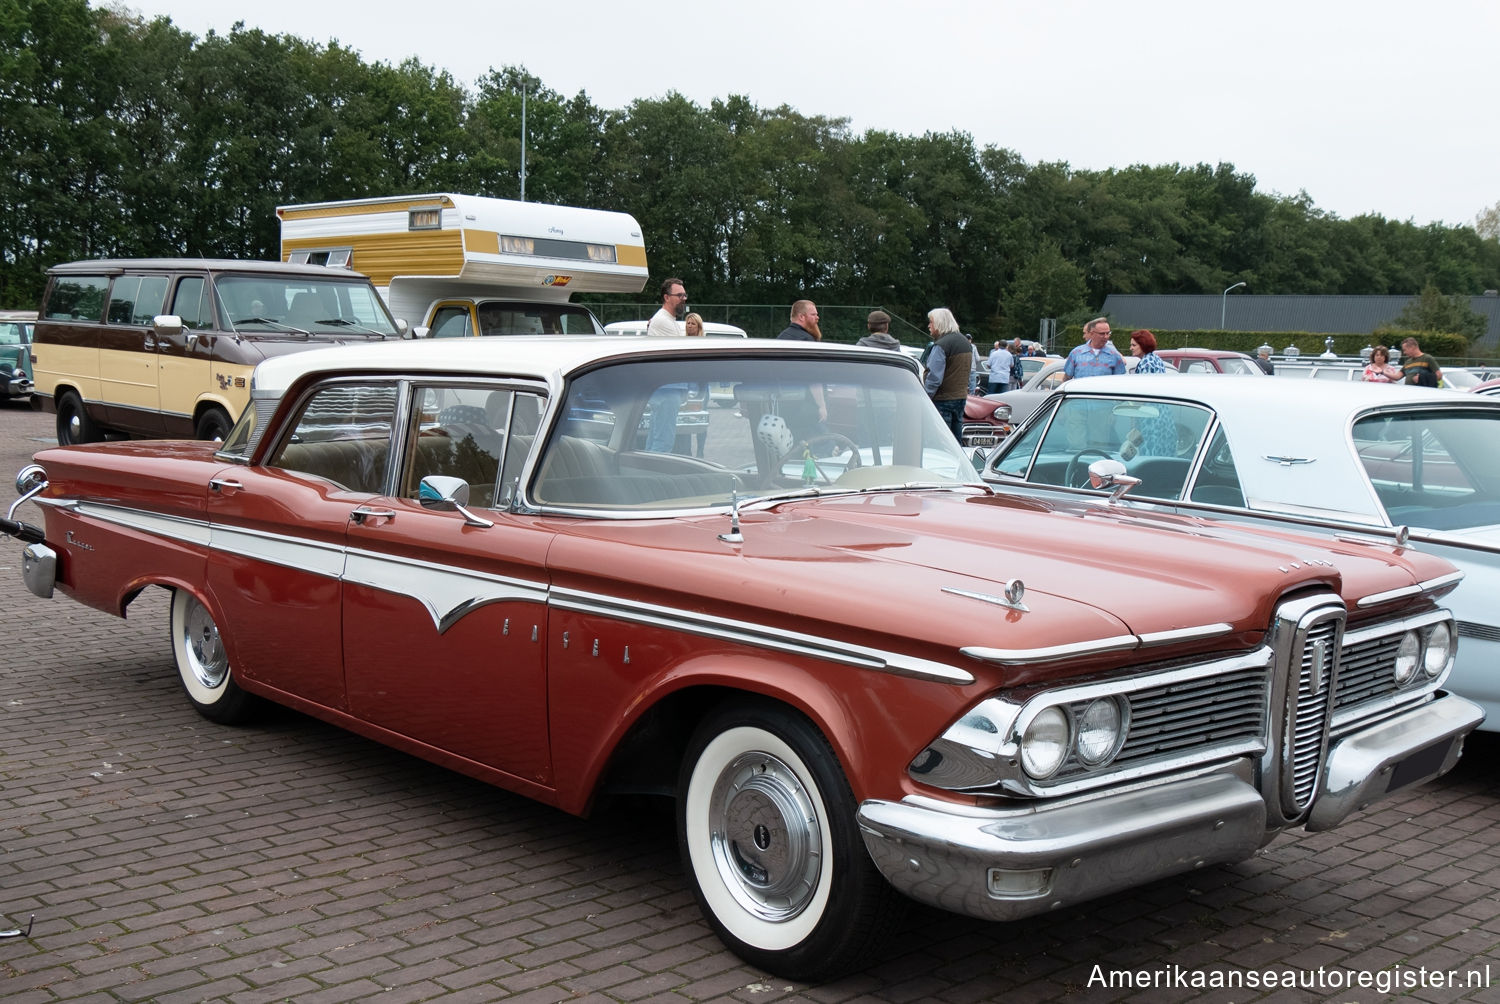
(929, 567)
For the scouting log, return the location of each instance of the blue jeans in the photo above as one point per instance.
(953, 415)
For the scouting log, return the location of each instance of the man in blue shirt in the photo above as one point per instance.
(1096, 356)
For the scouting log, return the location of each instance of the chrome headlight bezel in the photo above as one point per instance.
(1408, 658)
(1438, 649)
(1045, 740)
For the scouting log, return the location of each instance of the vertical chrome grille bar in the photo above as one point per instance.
(1313, 665)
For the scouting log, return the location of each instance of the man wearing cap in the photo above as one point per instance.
(880, 337)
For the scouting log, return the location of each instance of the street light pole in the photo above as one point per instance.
(1224, 303)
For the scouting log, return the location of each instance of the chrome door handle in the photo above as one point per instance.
(365, 514)
(224, 484)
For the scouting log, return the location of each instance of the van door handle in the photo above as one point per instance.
(365, 514)
(224, 484)
(150, 342)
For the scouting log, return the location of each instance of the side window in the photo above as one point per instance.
(457, 432)
(149, 299)
(450, 322)
(122, 299)
(1218, 481)
(524, 423)
(76, 298)
(343, 435)
(191, 305)
(1018, 457)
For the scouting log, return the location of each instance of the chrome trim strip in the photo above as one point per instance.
(1375, 599)
(448, 592)
(1364, 633)
(1185, 634)
(758, 635)
(1442, 582)
(1022, 656)
(190, 531)
(1119, 643)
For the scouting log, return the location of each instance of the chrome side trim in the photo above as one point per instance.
(189, 531)
(758, 635)
(1185, 634)
(1442, 582)
(447, 592)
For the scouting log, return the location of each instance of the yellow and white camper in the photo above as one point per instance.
(471, 265)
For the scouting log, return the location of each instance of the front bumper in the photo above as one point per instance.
(16, 386)
(1005, 864)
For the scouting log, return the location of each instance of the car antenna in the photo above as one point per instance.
(733, 536)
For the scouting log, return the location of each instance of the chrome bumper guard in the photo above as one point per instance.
(1391, 756)
(39, 569)
(1006, 864)
(18, 386)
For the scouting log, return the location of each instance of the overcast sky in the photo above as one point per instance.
(1383, 106)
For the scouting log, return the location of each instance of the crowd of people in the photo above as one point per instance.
(952, 367)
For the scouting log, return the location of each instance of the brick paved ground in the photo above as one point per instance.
(169, 859)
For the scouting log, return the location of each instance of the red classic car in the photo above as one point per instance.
(464, 550)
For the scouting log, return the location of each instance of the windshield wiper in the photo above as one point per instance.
(342, 323)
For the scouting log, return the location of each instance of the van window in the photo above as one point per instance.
(450, 322)
(77, 298)
(136, 299)
(191, 305)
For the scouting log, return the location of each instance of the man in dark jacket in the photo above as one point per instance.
(948, 366)
(804, 326)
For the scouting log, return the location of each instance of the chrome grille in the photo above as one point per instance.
(1365, 671)
(1308, 728)
(1214, 712)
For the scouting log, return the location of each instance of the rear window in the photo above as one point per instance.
(76, 298)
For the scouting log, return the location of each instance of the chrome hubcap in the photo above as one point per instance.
(767, 844)
(205, 653)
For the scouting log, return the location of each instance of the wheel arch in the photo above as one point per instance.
(647, 756)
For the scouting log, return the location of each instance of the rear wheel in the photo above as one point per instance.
(212, 424)
(765, 822)
(202, 664)
(73, 423)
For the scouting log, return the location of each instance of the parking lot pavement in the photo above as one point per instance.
(169, 859)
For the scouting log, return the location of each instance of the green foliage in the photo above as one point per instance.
(130, 137)
(1432, 311)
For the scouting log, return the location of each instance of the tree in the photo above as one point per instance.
(1487, 223)
(1432, 311)
(1046, 285)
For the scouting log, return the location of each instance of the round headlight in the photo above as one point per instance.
(1439, 650)
(1101, 730)
(1044, 744)
(1406, 658)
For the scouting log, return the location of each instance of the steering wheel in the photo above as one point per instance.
(838, 439)
(1076, 467)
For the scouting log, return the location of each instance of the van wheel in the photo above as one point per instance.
(765, 822)
(213, 424)
(73, 423)
(203, 666)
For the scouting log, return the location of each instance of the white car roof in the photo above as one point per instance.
(541, 357)
(1273, 427)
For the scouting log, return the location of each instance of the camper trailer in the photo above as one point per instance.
(458, 265)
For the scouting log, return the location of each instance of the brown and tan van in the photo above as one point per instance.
(164, 347)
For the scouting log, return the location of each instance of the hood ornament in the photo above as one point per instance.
(1014, 597)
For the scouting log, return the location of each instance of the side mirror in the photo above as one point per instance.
(1110, 473)
(421, 331)
(402, 327)
(167, 325)
(446, 494)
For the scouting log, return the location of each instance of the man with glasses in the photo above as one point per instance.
(673, 306)
(1096, 356)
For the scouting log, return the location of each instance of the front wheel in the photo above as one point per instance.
(766, 828)
(202, 664)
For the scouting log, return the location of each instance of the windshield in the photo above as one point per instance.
(304, 305)
(505, 317)
(678, 433)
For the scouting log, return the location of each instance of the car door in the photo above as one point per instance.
(444, 619)
(279, 537)
(129, 366)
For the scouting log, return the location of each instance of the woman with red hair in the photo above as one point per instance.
(1143, 347)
